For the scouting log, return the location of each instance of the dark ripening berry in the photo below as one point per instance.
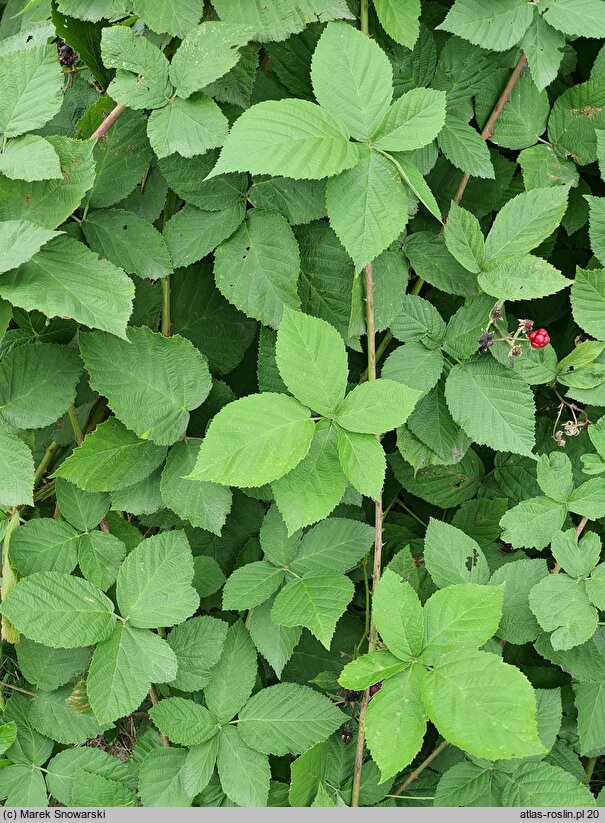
(375, 688)
(485, 341)
(67, 56)
(351, 696)
(506, 548)
(346, 735)
(538, 339)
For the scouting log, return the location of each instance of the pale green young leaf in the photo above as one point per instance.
(399, 18)
(518, 624)
(83, 510)
(315, 602)
(346, 59)
(254, 440)
(397, 613)
(153, 586)
(521, 277)
(30, 158)
(312, 360)
(525, 221)
(497, 27)
(367, 206)
(498, 698)
(151, 382)
(275, 643)
(111, 457)
(452, 557)
(395, 736)
(198, 644)
(533, 523)
(287, 719)
(204, 505)
(543, 46)
(561, 606)
(16, 471)
(99, 557)
(193, 233)
(334, 545)
(183, 721)
(293, 138)
(588, 500)
(65, 279)
(60, 610)
(257, 268)
(363, 461)
(555, 476)
(191, 70)
(232, 679)
(122, 669)
(465, 148)
(370, 668)
(493, 405)
(244, 772)
(51, 715)
(160, 779)
(464, 238)
(414, 120)
(141, 80)
(187, 127)
(128, 241)
(38, 384)
(251, 584)
(544, 784)
(44, 545)
(19, 241)
(376, 406)
(588, 301)
(31, 93)
(314, 487)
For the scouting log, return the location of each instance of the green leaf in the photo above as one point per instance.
(362, 460)
(177, 19)
(65, 765)
(190, 69)
(128, 241)
(395, 736)
(204, 505)
(187, 177)
(312, 361)
(161, 776)
(542, 784)
(414, 120)
(521, 277)
(32, 94)
(367, 206)
(44, 545)
(16, 471)
(293, 138)
(59, 610)
(278, 544)
(275, 643)
(465, 148)
(370, 668)
(463, 615)
(22, 785)
(99, 557)
(244, 772)
(376, 406)
(315, 486)
(561, 606)
(122, 669)
(497, 697)
(518, 624)
(192, 233)
(590, 701)
(187, 127)
(111, 457)
(398, 616)
(30, 158)
(20, 240)
(588, 499)
(183, 721)
(465, 784)
(254, 440)
(346, 59)
(418, 320)
(523, 118)
(399, 18)
(96, 790)
(464, 238)
(251, 585)
(555, 476)
(334, 545)
(493, 405)
(315, 602)
(141, 80)
(65, 279)
(588, 301)
(525, 221)
(256, 269)
(38, 384)
(197, 644)
(541, 166)
(452, 557)
(232, 679)
(48, 668)
(577, 558)
(533, 523)
(276, 19)
(287, 718)
(153, 587)
(492, 27)
(52, 715)
(582, 18)
(434, 427)
(150, 381)
(199, 766)
(83, 510)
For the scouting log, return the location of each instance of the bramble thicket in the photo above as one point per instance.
(302, 402)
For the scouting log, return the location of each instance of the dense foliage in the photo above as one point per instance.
(302, 394)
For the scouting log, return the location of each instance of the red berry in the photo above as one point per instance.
(538, 339)
(375, 688)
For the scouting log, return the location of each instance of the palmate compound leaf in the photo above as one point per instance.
(288, 719)
(153, 586)
(346, 59)
(494, 406)
(122, 669)
(60, 610)
(151, 381)
(66, 279)
(293, 138)
(254, 440)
